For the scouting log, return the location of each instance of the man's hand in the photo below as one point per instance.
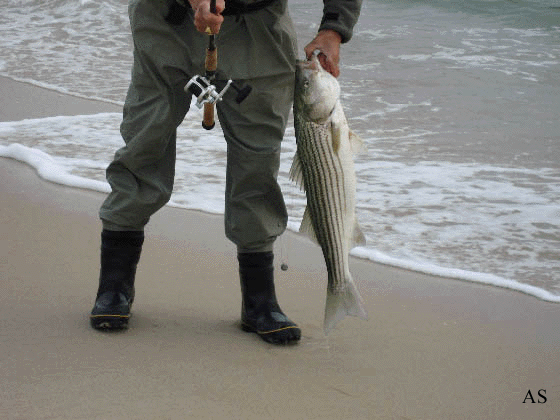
(328, 43)
(204, 19)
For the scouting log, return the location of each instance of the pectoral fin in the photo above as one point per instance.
(356, 143)
(336, 136)
(296, 172)
(358, 237)
(307, 226)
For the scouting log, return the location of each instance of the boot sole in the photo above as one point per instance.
(109, 322)
(285, 335)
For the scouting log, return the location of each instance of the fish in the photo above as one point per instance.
(323, 167)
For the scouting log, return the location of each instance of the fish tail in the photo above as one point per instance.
(342, 303)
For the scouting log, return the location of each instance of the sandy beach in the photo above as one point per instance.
(433, 348)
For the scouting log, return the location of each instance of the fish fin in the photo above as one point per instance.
(356, 143)
(347, 302)
(307, 226)
(296, 172)
(358, 237)
(336, 137)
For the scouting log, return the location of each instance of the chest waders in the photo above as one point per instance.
(255, 212)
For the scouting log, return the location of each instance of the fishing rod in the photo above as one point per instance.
(203, 87)
(210, 67)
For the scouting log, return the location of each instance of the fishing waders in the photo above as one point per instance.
(142, 172)
(120, 252)
(260, 312)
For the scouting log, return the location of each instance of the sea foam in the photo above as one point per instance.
(48, 169)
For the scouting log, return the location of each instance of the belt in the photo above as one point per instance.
(234, 7)
(178, 9)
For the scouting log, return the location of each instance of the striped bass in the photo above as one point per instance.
(323, 167)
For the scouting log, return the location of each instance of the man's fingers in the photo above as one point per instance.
(220, 6)
(328, 60)
(204, 19)
(329, 64)
(309, 50)
(328, 44)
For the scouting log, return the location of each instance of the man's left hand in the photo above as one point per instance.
(327, 42)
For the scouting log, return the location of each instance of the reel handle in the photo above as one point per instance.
(242, 92)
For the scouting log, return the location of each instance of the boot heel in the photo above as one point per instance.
(247, 328)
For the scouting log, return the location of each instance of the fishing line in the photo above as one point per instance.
(284, 260)
(285, 243)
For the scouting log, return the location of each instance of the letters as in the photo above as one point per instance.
(541, 394)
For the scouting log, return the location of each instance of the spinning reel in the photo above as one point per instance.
(203, 87)
(207, 93)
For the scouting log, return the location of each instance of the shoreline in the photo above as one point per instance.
(45, 101)
(49, 171)
(24, 100)
(432, 348)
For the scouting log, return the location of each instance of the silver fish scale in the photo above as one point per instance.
(323, 178)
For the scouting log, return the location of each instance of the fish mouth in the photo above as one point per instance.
(311, 64)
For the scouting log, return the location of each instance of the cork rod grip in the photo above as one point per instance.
(211, 64)
(208, 119)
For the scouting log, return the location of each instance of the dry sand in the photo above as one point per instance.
(433, 348)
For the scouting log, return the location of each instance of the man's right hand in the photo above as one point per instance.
(204, 19)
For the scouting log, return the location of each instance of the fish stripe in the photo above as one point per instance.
(324, 167)
(324, 176)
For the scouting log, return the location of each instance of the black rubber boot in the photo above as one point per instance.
(120, 253)
(260, 312)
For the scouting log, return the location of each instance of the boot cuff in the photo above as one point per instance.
(133, 238)
(255, 259)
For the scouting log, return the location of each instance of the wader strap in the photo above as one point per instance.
(234, 7)
(177, 12)
(178, 9)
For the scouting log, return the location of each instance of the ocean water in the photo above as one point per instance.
(458, 102)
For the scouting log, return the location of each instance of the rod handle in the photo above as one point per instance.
(211, 65)
(211, 61)
(208, 122)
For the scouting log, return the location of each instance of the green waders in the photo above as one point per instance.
(258, 48)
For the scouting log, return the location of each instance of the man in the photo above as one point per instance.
(257, 46)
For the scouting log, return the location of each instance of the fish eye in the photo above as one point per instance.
(306, 83)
